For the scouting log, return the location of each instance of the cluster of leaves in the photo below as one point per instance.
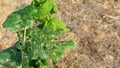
(37, 45)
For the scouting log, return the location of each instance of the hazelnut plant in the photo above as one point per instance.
(39, 33)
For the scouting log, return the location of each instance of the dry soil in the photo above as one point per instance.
(95, 28)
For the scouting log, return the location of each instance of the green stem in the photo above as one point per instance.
(44, 26)
(25, 34)
(22, 53)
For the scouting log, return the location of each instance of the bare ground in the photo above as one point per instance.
(95, 28)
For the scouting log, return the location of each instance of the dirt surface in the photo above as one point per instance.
(95, 28)
(7, 38)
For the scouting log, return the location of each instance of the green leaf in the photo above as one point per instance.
(44, 62)
(10, 57)
(25, 62)
(43, 55)
(54, 60)
(10, 65)
(69, 44)
(54, 7)
(12, 22)
(39, 52)
(21, 18)
(4, 57)
(56, 24)
(29, 51)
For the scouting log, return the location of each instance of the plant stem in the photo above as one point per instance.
(25, 34)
